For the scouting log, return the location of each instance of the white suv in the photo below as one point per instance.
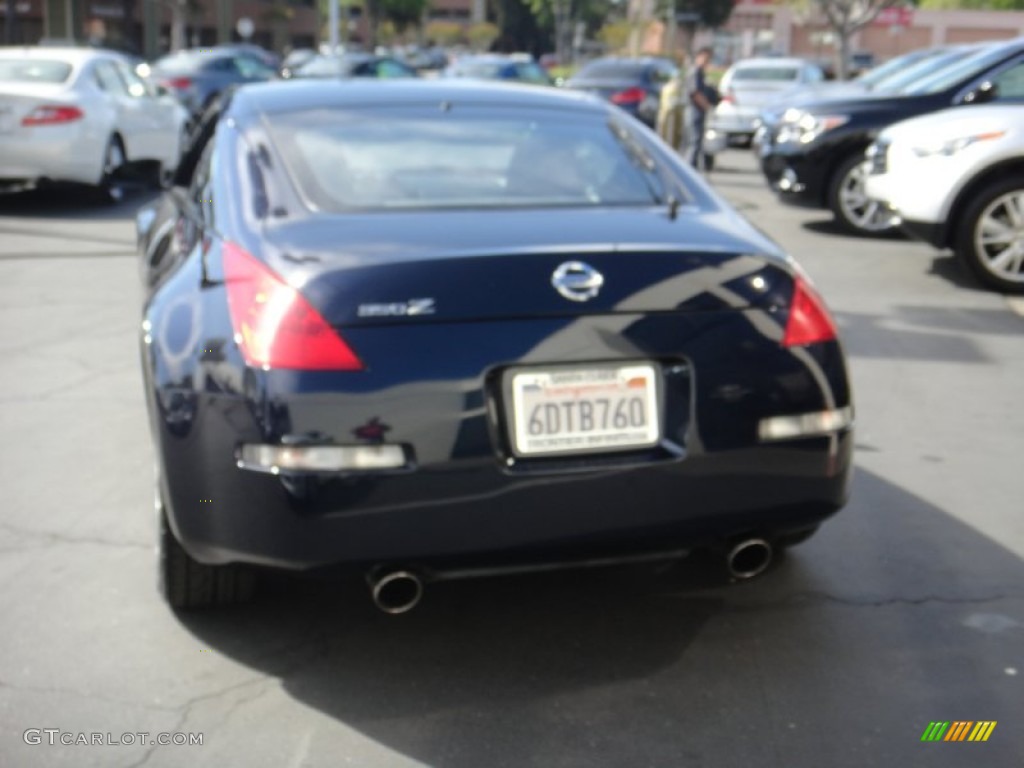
(956, 180)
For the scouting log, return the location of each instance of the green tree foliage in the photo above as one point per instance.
(712, 13)
(520, 30)
(481, 36)
(615, 34)
(403, 13)
(443, 32)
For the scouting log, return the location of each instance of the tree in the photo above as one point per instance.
(482, 35)
(844, 17)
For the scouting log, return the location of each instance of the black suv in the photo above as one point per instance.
(815, 155)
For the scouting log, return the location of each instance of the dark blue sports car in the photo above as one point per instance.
(444, 328)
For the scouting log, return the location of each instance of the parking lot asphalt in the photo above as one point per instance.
(906, 608)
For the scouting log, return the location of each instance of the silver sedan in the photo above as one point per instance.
(84, 116)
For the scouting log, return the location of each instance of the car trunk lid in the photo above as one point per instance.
(367, 269)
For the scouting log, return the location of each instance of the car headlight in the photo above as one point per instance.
(803, 127)
(947, 147)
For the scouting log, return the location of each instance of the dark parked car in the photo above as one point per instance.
(421, 325)
(496, 67)
(816, 155)
(199, 75)
(631, 84)
(889, 78)
(353, 65)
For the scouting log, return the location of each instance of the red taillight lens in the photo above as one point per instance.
(809, 320)
(52, 115)
(177, 83)
(629, 96)
(274, 325)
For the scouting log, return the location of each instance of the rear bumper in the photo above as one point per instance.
(57, 153)
(472, 509)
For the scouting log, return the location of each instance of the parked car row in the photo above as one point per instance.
(910, 148)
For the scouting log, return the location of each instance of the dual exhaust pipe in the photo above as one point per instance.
(399, 591)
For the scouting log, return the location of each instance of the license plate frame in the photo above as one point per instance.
(526, 387)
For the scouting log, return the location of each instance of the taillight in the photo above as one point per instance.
(629, 96)
(809, 320)
(177, 83)
(276, 327)
(52, 115)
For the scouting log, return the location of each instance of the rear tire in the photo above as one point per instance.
(990, 236)
(110, 189)
(854, 212)
(187, 584)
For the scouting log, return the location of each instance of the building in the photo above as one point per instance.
(762, 26)
(146, 26)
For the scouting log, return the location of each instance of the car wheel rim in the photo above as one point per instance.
(115, 159)
(861, 211)
(999, 237)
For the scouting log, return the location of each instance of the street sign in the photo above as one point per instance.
(895, 17)
(245, 27)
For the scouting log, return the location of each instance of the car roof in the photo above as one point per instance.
(299, 95)
(774, 61)
(72, 55)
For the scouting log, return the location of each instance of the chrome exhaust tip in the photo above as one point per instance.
(748, 558)
(396, 592)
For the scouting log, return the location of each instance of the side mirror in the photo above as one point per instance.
(983, 94)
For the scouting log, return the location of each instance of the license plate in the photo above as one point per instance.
(585, 410)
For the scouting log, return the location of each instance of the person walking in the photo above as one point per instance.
(698, 106)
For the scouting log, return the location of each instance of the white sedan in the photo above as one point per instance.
(955, 178)
(747, 87)
(84, 116)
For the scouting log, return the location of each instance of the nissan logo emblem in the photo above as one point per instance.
(577, 281)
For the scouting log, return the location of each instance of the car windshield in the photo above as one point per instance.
(964, 69)
(481, 69)
(181, 62)
(34, 71)
(323, 65)
(894, 67)
(394, 158)
(898, 82)
(765, 74)
(618, 70)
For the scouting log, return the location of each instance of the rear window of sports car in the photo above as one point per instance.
(34, 71)
(463, 157)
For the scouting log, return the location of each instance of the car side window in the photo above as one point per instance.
(1010, 83)
(108, 79)
(661, 75)
(247, 67)
(137, 87)
(388, 69)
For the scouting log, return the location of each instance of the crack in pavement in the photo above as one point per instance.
(44, 255)
(801, 599)
(54, 537)
(6, 684)
(71, 237)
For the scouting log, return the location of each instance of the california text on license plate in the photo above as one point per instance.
(580, 410)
